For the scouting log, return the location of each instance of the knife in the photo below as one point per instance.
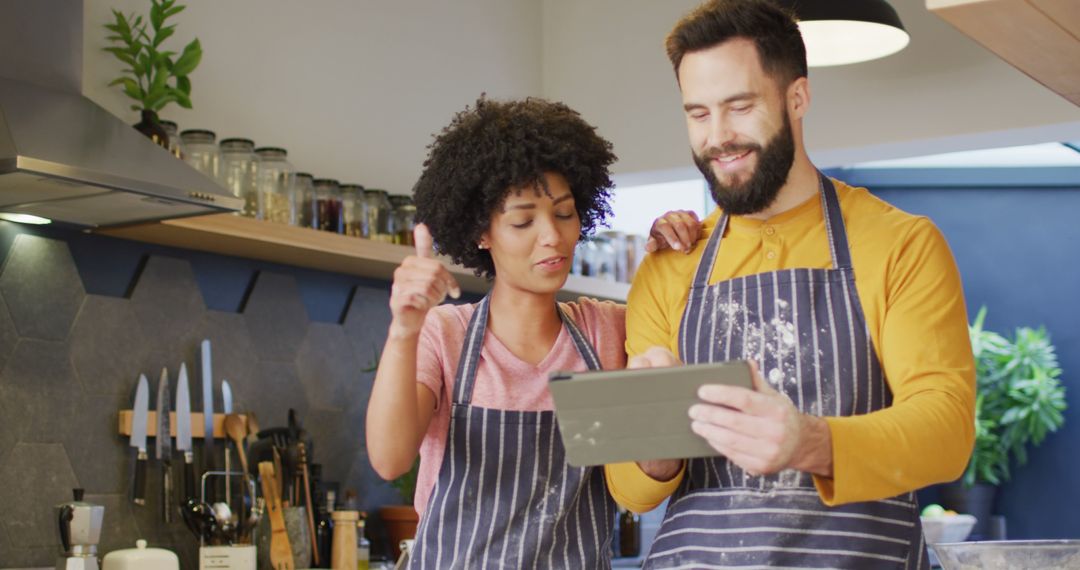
(226, 406)
(208, 408)
(163, 445)
(138, 439)
(183, 431)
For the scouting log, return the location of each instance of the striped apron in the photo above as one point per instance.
(806, 329)
(505, 496)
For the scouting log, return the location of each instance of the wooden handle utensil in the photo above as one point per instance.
(281, 557)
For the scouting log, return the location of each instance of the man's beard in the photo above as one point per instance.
(760, 190)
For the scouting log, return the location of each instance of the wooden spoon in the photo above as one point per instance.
(252, 427)
(237, 430)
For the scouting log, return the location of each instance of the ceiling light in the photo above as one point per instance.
(839, 32)
(24, 218)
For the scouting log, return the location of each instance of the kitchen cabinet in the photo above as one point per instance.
(1039, 37)
(228, 234)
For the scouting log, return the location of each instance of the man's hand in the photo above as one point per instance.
(761, 430)
(677, 229)
(657, 357)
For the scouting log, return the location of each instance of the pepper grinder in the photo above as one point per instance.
(343, 554)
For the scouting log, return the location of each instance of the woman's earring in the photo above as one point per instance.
(481, 246)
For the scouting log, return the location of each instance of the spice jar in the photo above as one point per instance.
(404, 219)
(175, 144)
(274, 180)
(352, 209)
(302, 194)
(327, 205)
(238, 172)
(201, 151)
(378, 215)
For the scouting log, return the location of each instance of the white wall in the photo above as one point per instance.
(944, 92)
(354, 89)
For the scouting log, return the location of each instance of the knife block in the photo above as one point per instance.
(197, 428)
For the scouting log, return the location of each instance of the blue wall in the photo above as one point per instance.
(1015, 234)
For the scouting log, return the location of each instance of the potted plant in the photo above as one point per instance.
(401, 520)
(1019, 400)
(155, 76)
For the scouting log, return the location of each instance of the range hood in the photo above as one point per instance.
(64, 158)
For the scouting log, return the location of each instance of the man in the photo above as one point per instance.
(852, 310)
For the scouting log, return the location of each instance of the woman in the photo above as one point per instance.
(508, 189)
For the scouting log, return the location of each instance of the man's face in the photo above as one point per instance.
(740, 131)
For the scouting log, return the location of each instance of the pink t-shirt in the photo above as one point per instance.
(503, 381)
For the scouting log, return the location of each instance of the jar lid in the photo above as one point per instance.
(325, 182)
(399, 200)
(198, 135)
(169, 124)
(304, 175)
(237, 144)
(140, 557)
(376, 191)
(353, 187)
(271, 151)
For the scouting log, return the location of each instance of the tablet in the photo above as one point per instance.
(613, 416)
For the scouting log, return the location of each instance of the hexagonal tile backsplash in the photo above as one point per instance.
(69, 360)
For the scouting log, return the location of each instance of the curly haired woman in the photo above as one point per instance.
(508, 189)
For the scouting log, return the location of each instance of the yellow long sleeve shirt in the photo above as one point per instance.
(911, 295)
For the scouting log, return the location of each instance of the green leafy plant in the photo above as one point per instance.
(150, 68)
(406, 483)
(1019, 399)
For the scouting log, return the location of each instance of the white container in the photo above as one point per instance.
(236, 557)
(141, 558)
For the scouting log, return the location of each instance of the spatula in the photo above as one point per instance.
(281, 557)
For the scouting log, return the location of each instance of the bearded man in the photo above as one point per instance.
(851, 309)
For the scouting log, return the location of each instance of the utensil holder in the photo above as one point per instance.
(235, 557)
(299, 541)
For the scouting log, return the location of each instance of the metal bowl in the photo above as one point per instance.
(1009, 555)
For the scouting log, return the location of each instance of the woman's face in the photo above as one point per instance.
(532, 236)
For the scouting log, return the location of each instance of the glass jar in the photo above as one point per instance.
(404, 219)
(327, 205)
(238, 173)
(352, 209)
(620, 255)
(175, 144)
(201, 151)
(274, 179)
(378, 215)
(605, 258)
(302, 194)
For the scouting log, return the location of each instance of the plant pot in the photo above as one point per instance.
(977, 500)
(151, 127)
(400, 521)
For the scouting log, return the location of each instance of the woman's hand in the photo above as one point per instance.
(420, 283)
(677, 229)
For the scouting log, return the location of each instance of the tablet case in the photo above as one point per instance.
(636, 415)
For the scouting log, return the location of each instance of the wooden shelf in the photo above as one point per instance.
(1039, 37)
(197, 429)
(238, 236)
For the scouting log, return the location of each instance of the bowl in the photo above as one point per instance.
(947, 528)
(1010, 554)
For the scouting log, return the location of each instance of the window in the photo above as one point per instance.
(636, 207)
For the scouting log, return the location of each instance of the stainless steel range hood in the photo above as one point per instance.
(65, 158)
